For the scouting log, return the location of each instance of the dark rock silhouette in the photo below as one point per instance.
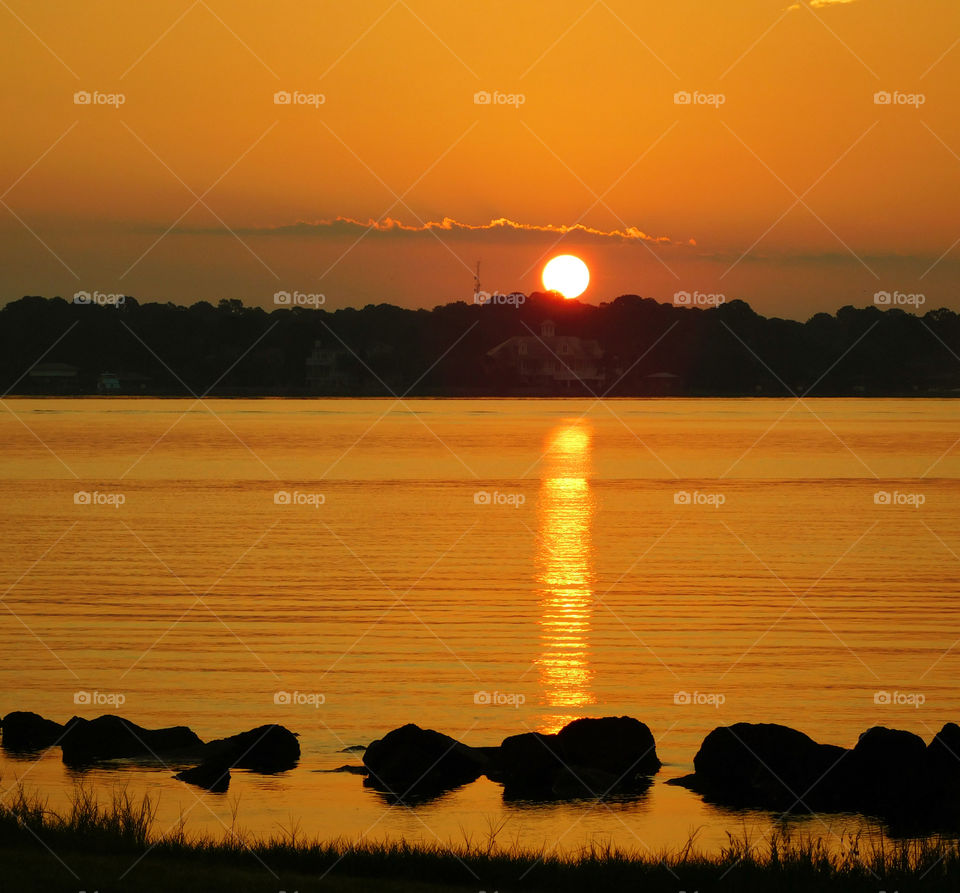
(411, 762)
(590, 757)
(765, 765)
(943, 759)
(109, 737)
(527, 765)
(890, 774)
(886, 774)
(25, 732)
(84, 742)
(612, 756)
(266, 749)
(212, 775)
(615, 744)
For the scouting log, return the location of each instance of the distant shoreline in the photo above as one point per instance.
(544, 348)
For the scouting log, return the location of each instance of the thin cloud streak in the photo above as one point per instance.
(501, 227)
(821, 4)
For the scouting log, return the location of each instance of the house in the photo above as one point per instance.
(122, 383)
(108, 383)
(329, 369)
(547, 361)
(53, 378)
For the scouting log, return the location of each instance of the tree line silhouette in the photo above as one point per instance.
(381, 350)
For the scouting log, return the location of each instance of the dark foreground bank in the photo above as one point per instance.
(116, 847)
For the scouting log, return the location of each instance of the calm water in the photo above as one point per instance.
(781, 592)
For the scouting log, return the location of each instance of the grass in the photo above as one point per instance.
(113, 846)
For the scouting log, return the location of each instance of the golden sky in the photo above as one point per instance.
(783, 181)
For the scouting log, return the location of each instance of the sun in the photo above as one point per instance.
(566, 274)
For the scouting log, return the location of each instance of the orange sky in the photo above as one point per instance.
(97, 196)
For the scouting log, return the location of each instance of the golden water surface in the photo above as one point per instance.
(482, 568)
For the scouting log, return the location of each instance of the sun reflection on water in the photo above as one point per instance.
(565, 573)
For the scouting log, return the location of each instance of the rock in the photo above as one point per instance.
(586, 783)
(766, 765)
(353, 748)
(527, 766)
(87, 741)
(609, 756)
(348, 768)
(943, 752)
(414, 762)
(890, 773)
(213, 776)
(25, 732)
(942, 761)
(266, 749)
(887, 775)
(614, 744)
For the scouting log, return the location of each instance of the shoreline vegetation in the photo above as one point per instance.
(116, 846)
(542, 346)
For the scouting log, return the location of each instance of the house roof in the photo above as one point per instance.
(549, 348)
